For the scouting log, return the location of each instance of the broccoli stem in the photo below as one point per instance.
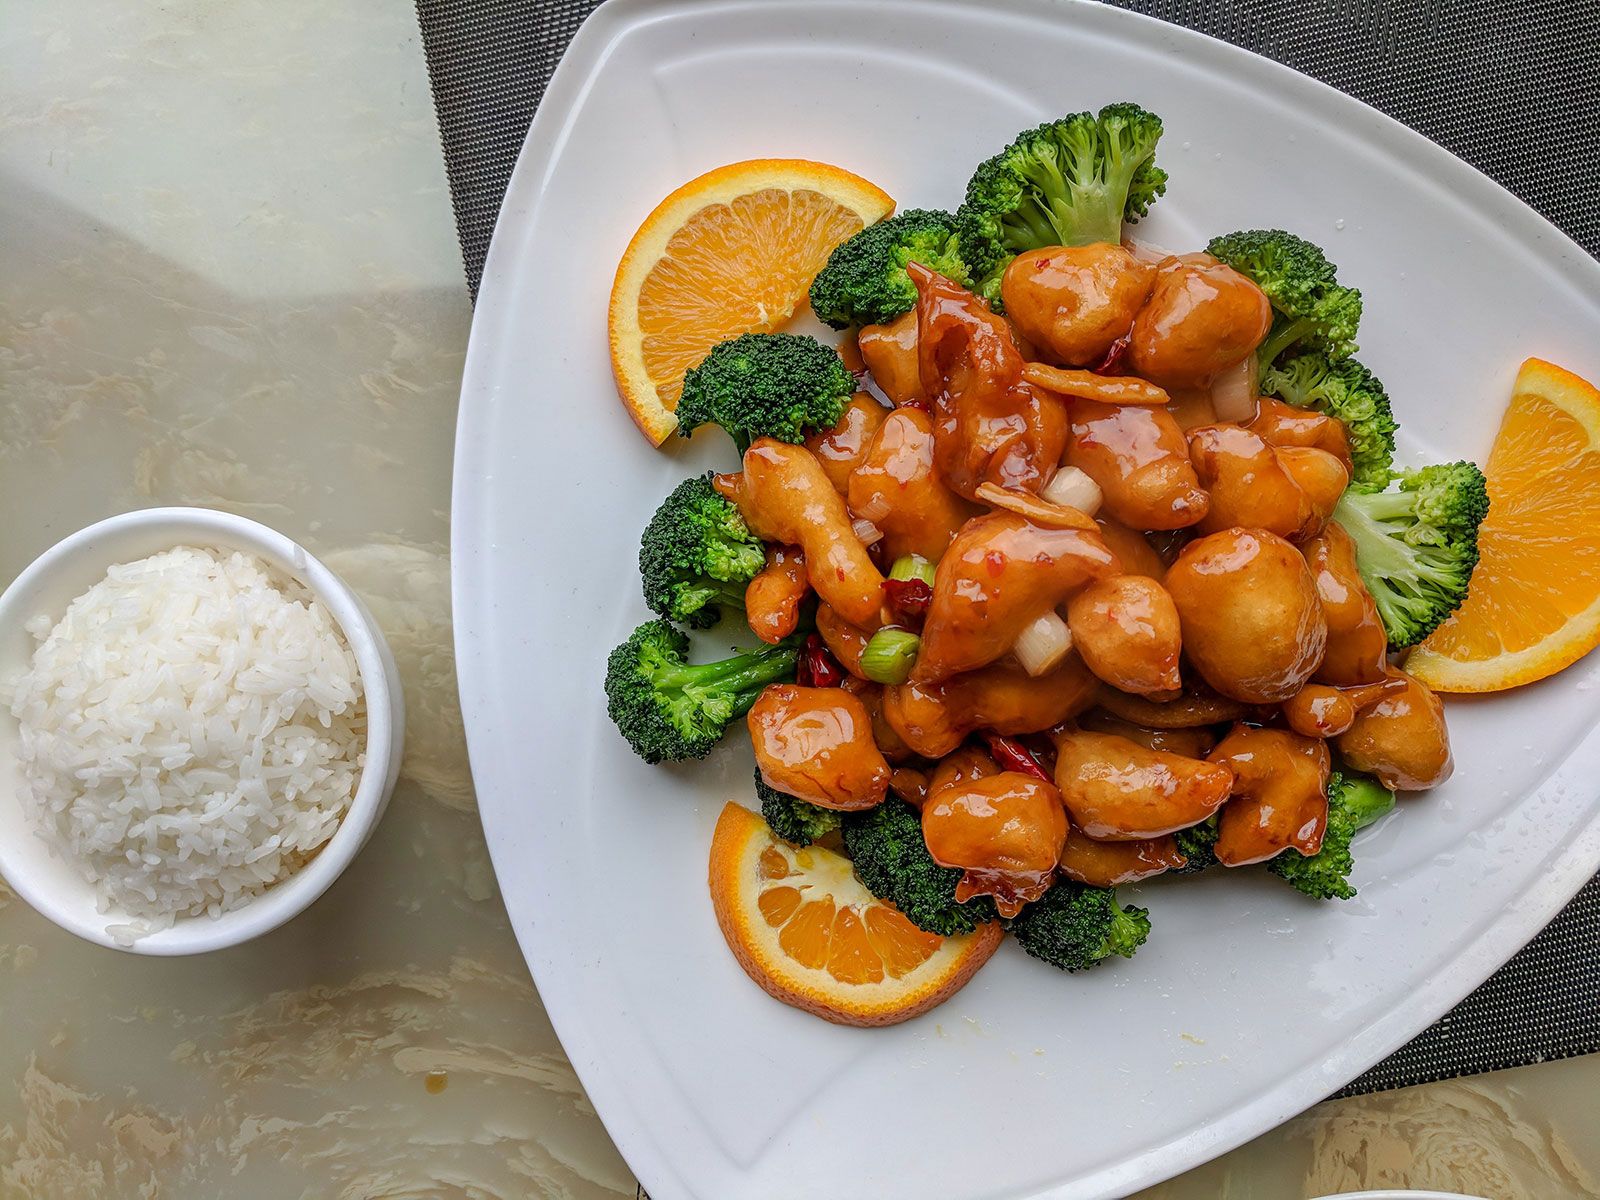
(1282, 338)
(738, 674)
(1366, 804)
(1385, 506)
(1380, 554)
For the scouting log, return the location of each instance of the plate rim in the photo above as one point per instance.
(1568, 867)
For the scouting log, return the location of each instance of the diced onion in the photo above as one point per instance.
(889, 656)
(1145, 251)
(875, 509)
(1071, 487)
(866, 532)
(1233, 393)
(1043, 643)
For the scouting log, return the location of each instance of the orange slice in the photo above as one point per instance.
(803, 927)
(1534, 604)
(731, 252)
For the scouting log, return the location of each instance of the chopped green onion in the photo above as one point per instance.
(889, 655)
(912, 566)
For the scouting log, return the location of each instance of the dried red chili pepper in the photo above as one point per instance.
(1012, 755)
(817, 666)
(908, 601)
(1111, 364)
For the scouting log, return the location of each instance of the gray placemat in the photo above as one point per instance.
(1513, 88)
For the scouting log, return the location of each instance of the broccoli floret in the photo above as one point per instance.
(865, 281)
(796, 821)
(777, 385)
(670, 710)
(697, 554)
(1347, 390)
(1416, 545)
(885, 844)
(1197, 844)
(1073, 926)
(1354, 802)
(1309, 308)
(1070, 182)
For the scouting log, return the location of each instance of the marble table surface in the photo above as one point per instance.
(229, 277)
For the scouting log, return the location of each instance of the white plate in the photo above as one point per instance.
(1249, 1003)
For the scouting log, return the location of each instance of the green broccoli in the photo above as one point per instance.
(885, 844)
(777, 385)
(1070, 182)
(1416, 545)
(1073, 926)
(1354, 802)
(1347, 390)
(798, 822)
(670, 710)
(697, 554)
(1309, 308)
(865, 280)
(1198, 844)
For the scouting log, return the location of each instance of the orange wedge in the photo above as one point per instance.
(1534, 604)
(803, 927)
(731, 252)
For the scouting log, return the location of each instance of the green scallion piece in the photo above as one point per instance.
(889, 656)
(912, 566)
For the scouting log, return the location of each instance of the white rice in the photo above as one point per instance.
(192, 732)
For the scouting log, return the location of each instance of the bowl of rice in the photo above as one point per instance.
(200, 725)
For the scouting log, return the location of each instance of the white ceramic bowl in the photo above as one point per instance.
(54, 886)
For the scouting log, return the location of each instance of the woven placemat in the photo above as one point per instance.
(1512, 88)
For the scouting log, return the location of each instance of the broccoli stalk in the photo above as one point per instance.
(1347, 390)
(777, 385)
(1070, 182)
(798, 822)
(1354, 802)
(669, 710)
(865, 280)
(697, 555)
(1417, 544)
(885, 844)
(1073, 926)
(1198, 845)
(1309, 308)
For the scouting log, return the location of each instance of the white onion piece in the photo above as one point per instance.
(1145, 251)
(1233, 393)
(1043, 643)
(1072, 488)
(866, 532)
(875, 509)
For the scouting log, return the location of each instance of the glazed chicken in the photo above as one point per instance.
(816, 743)
(1252, 622)
(1138, 457)
(1073, 303)
(1280, 794)
(989, 426)
(1202, 318)
(784, 496)
(1402, 739)
(1005, 832)
(895, 486)
(999, 574)
(934, 718)
(839, 450)
(1289, 491)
